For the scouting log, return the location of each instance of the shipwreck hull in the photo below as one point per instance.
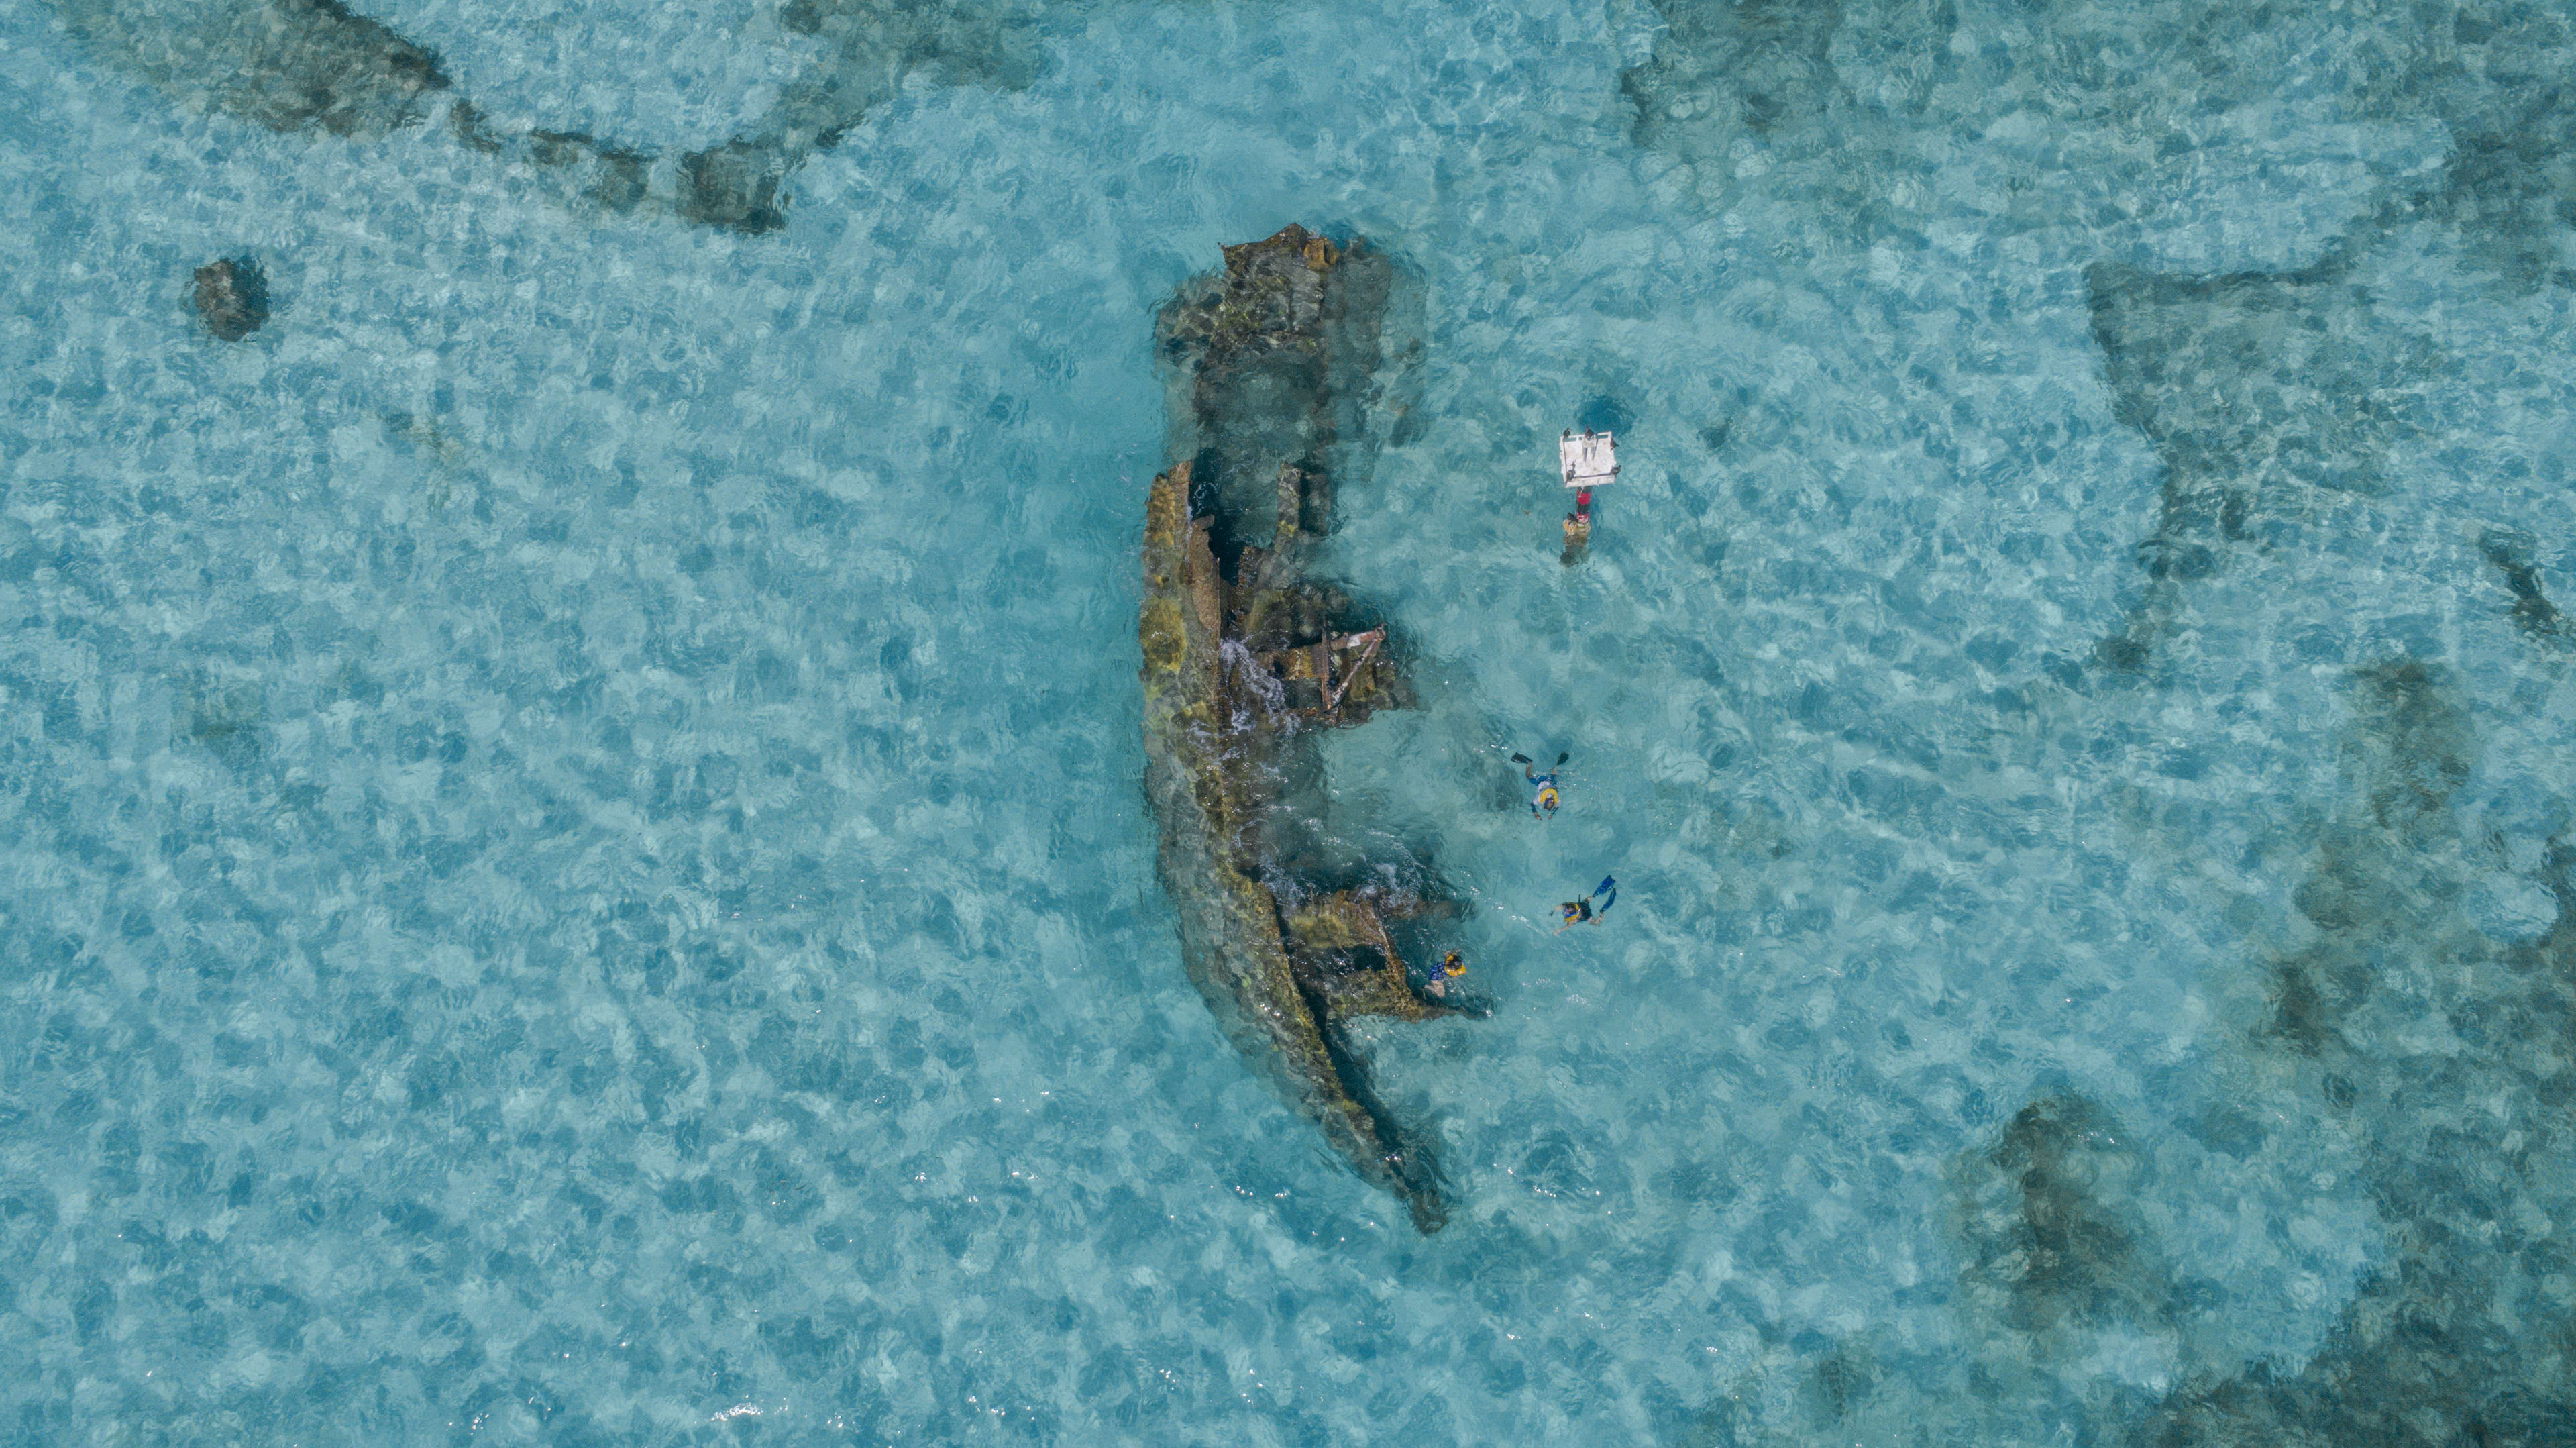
(1246, 660)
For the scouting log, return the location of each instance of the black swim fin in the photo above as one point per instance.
(1560, 759)
(1520, 759)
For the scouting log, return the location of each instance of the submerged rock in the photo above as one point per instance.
(1246, 657)
(233, 298)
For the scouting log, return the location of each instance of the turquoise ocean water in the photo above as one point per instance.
(575, 866)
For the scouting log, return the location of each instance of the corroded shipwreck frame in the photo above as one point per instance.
(1245, 658)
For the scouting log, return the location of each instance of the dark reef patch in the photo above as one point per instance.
(735, 186)
(284, 64)
(227, 720)
(2453, 1054)
(1726, 79)
(1843, 92)
(1847, 97)
(2533, 613)
(294, 64)
(2414, 750)
(2045, 1243)
(1845, 1379)
(876, 45)
(2256, 387)
(586, 172)
(2262, 393)
(1721, 70)
(231, 296)
(2258, 392)
(2495, 76)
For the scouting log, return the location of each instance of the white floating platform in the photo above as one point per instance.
(1588, 459)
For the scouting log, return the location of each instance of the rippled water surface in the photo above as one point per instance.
(575, 868)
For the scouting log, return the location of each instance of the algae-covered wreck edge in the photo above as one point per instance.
(1244, 657)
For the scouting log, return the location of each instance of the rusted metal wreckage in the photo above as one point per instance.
(1247, 658)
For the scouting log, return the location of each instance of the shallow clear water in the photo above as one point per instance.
(576, 869)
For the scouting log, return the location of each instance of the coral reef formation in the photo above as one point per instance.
(1246, 658)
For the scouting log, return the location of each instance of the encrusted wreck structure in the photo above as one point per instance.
(1247, 658)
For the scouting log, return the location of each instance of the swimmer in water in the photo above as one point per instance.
(1452, 966)
(1583, 912)
(1543, 803)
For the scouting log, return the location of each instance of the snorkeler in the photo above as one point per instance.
(1543, 803)
(1581, 912)
(1452, 966)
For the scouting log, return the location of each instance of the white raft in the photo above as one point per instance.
(1589, 459)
